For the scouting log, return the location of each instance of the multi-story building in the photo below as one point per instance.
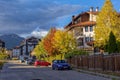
(82, 27)
(16, 51)
(2, 44)
(28, 45)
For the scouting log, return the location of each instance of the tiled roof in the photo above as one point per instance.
(17, 47)
(87, 23)
(76, 17)
(82, 24)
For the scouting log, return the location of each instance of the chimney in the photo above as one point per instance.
(97, 9)
(91, 9)
(73, 17)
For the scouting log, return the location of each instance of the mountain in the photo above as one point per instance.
(11, 40)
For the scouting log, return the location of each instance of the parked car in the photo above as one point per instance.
(60, 65)
(41, 63)
(30, 61)
(23, 58)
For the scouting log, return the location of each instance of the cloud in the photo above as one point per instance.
(22, 16)
(39, 33)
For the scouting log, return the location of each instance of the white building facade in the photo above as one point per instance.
(83, 26)
(16, 52)
(27, 46)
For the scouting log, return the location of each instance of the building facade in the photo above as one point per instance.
(2, 44)
(82, 27)
(27, 46)
(16, 51)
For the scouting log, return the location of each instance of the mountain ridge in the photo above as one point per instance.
(11, 40)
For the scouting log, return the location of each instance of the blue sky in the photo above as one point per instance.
(24, 16)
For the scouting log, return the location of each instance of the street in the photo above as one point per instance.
(20, 71)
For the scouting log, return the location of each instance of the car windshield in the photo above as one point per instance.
(61, 61)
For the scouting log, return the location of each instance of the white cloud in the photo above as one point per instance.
(39, 32)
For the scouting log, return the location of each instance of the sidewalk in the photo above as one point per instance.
(98, 74)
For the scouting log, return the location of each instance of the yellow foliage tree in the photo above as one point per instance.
(40, 51)
(107, 21)
(64, 42)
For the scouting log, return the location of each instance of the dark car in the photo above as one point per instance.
(41, 63)
(30, 61)
(23, 58)
(60, 65)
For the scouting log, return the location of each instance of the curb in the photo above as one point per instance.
(98, 74)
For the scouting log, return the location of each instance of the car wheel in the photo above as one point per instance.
(56, 68)
(69, 68)
(53, 68)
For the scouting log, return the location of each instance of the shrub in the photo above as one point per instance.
(15, 58)
(3, 56)
(76, 52)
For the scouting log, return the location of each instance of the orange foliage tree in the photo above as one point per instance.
(48, 42)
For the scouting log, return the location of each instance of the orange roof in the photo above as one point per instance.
(17, 47)
(82, 13)
(87, 23)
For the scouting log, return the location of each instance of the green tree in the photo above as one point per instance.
(64, 42)
(112, 45)
(107, 20)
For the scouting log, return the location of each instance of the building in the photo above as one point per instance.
(82, 27)
(27, 46)
(16, 51)
(2, 44)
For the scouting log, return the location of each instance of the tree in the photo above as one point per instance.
(48, 42)
(3, 54)
(112, 45)
(40, 51)
(64, 42)
(107, 20)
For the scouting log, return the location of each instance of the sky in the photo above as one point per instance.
(24, 17)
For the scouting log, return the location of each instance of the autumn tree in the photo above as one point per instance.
(107, 21)
(64, 42)
(48, 42)
(40, 51)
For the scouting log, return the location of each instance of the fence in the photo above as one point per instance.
(97, 62)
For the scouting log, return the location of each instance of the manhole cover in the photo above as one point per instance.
(36, 79)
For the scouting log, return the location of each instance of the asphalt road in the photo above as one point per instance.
(17, 71)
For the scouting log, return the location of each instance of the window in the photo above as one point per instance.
(86, 29)
(86, 39)
(91, 28)
(91, 38)
(80, 42)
